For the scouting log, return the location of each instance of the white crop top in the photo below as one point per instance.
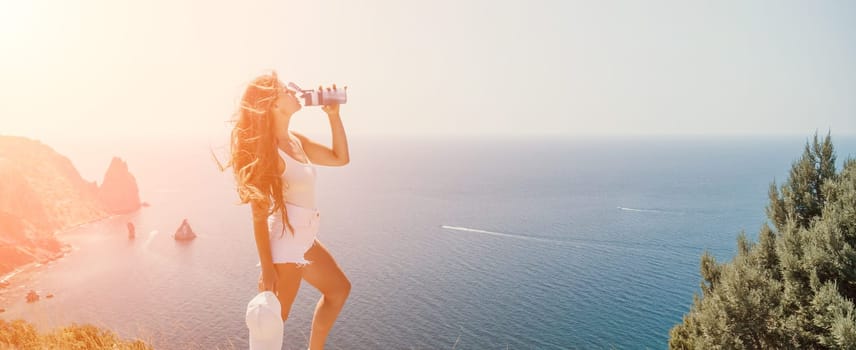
(298, 185)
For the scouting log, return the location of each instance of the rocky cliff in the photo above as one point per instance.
(119, 192)
(41, 193)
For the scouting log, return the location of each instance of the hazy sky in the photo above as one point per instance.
(142, 69)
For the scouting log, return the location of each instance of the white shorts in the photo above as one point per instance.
(290, 248)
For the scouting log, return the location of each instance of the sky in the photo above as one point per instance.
(171, 69)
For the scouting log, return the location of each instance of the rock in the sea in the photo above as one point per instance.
(32, 296)
(131, 230)
(184, 232)
(119, 192)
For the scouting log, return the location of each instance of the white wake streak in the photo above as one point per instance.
(645, 210)
(582, 242)
(149, 240)
(500, 234)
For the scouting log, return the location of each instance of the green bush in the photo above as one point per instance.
(794, 289)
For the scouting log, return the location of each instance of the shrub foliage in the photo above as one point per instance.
(21, 335)
(795, 287)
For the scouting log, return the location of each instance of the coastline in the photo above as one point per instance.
(19, 282)
(22, 276)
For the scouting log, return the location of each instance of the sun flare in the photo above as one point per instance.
(17, 18)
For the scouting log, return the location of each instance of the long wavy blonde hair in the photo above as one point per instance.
(253, 155)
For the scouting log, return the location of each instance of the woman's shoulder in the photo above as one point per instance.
(298, 137)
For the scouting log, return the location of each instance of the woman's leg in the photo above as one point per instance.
(287, 283)
(323, 273)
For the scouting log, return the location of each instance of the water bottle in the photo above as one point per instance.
(323, 97)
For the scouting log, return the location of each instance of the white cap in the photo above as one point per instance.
(264, 319)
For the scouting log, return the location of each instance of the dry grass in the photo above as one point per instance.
(22, 335)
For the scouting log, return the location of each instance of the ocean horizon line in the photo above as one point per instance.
(215, 138)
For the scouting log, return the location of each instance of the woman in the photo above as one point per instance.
(275, 172)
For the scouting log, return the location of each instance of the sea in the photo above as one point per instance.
(450, 242)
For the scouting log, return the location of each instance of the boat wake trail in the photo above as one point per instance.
(150, 238)
(649, 210)
(500, 234)
(610, 244)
